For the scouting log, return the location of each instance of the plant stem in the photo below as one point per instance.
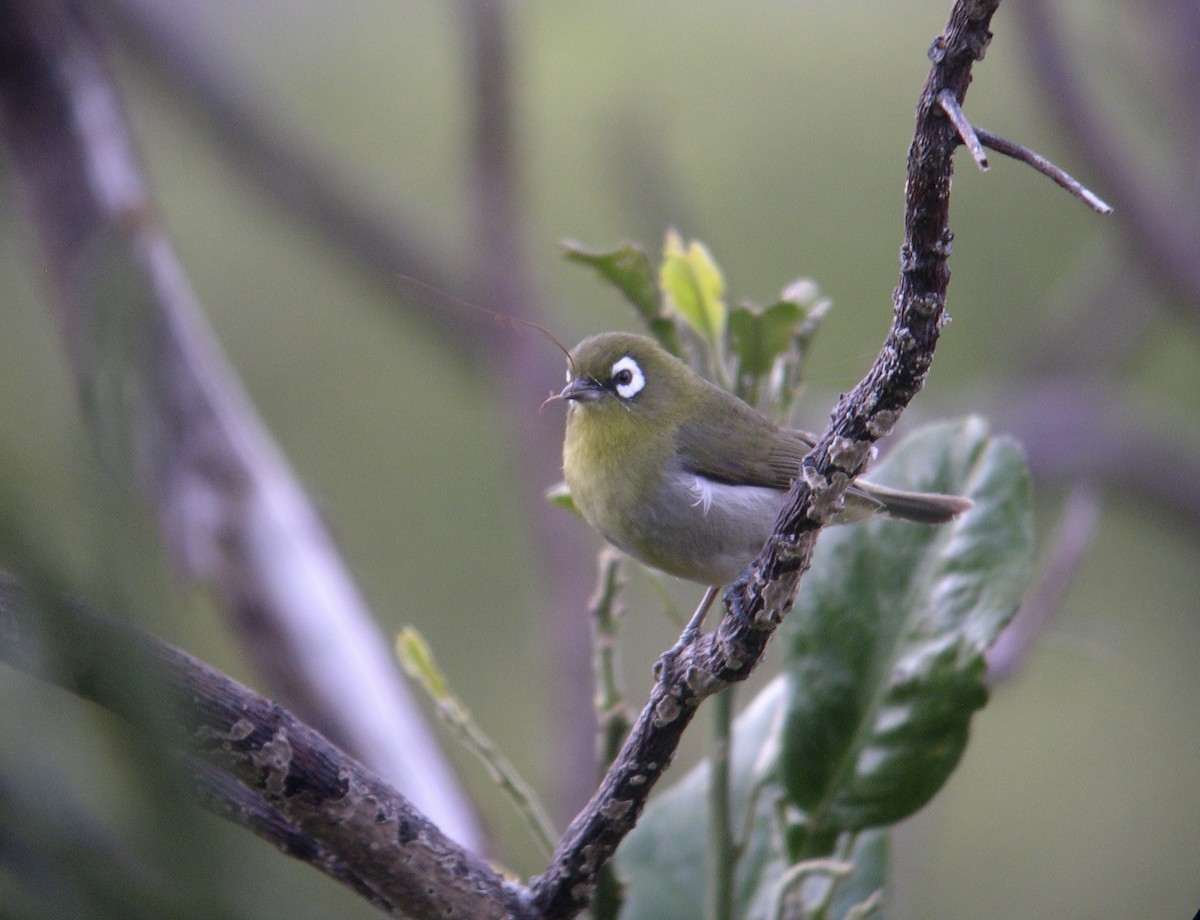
(417, 660)
(722, 848)
(612, 715)
(611, 712)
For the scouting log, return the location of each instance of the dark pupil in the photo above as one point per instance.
(624, 376)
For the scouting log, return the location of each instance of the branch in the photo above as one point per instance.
(165, 405)
(758, 600)
(285, 164)
(1077, 429)
(1069, 545)
(520, 365)
(1158, 224)
(261, 766)
(975, 139)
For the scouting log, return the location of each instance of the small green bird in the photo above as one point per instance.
(683, 476)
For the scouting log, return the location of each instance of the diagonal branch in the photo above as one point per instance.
(258, 765)
(165, 407)
(758, 600)
(975, 139)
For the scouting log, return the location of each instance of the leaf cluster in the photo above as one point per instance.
(756, 352)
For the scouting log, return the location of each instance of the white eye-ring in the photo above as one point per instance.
(628, 378)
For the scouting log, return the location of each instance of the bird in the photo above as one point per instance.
(684, 476)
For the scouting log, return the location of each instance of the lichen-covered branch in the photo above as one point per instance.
(268, 771)
(757, 602)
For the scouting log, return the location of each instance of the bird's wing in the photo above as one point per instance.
(741, 448)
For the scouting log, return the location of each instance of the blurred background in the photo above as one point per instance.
(480, 136)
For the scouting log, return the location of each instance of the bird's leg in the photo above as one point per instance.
(691, 630)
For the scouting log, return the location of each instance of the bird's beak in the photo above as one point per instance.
(583, 389)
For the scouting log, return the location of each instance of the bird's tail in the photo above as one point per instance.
(867, 499)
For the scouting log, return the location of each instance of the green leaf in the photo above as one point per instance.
(560, 496)
(663, 861)
(884, 649)
(759, 336)
(628, 269)
(693, 287)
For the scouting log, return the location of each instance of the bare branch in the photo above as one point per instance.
(225, 797)
(164, 404)
(1046, 168)
(758, 600)
(296, 789)
(966, 131)
(975, 139)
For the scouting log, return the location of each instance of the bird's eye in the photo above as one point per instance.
(627, 378)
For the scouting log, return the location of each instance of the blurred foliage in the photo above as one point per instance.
(777, 133)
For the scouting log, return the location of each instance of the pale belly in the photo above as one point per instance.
(694, 528)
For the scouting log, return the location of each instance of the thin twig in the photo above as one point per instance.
(962, 124)
(1045, 167)
(417, 659)
(975, 139)
(722, 847)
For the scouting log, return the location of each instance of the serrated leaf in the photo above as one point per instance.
(884, 649)
(692, 286)
(628, 269)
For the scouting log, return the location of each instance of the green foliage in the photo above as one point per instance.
(883, 653)
(884, 648)
(694, 287)
(883, 658)
(771, 345)
(628, 269)
(741, 348)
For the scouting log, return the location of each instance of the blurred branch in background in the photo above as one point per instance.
(1085, 430)
(516, 364)
(1161, 213)
(285, 163)
(1068, 547)
(521, 366)
(163, 403)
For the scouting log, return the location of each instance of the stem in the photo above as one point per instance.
(612, 714)
(611, 711)
(417, 660)
(722, 848)
(796, 876)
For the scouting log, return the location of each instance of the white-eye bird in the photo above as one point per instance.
(683, 476)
